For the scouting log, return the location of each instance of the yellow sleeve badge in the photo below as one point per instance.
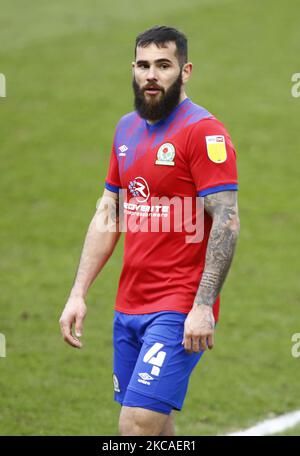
(216, 148)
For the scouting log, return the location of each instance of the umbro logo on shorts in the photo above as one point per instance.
(144, 378)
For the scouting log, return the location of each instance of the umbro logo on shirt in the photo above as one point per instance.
(122, 150)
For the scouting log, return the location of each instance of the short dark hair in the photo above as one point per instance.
(160, 35)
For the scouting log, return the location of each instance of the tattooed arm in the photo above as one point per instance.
(101, 239)
(199, 325)
(223, 209)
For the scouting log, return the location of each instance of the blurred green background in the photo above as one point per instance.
(68, 73)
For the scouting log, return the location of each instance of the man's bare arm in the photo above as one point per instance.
(223, 209)
(199, 325)
(101, 238)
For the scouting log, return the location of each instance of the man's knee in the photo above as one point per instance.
(139, 421)
(169, 427)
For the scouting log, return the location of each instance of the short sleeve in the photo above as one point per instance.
(112, 181)
(212, 158)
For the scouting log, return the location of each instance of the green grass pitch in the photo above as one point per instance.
(68, 76)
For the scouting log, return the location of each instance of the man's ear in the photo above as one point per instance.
(132, 67)
(186, 71)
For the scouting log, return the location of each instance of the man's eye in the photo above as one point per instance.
(164, 66)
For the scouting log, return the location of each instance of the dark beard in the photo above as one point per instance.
(157, 110)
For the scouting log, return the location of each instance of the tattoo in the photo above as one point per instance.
(222, 207)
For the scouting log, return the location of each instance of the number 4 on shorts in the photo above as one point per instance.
(156, 361)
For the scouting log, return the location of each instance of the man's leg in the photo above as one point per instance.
(126, 352)
(162, 361)
(169, 427)
(140, 421)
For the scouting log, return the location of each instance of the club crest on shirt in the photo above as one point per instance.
(165, 155)
(216, 148)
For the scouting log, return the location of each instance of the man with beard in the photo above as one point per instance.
(168, 296)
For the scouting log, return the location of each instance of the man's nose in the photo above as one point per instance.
(151, 74)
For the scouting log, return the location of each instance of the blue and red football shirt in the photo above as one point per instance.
(188, 154)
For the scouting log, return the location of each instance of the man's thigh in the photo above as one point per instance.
(126, 352)
(163, 367)
(128, 339)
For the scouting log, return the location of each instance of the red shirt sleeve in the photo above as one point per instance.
(212, 158)
(112, 181)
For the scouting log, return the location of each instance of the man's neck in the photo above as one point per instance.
(183, 96)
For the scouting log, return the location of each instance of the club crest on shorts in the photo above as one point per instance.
(165, 155)
(116, 384)
(216, 148)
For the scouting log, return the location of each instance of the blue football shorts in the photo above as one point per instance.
(151, 367)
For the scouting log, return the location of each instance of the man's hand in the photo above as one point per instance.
(199, 329)
(73, 313)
